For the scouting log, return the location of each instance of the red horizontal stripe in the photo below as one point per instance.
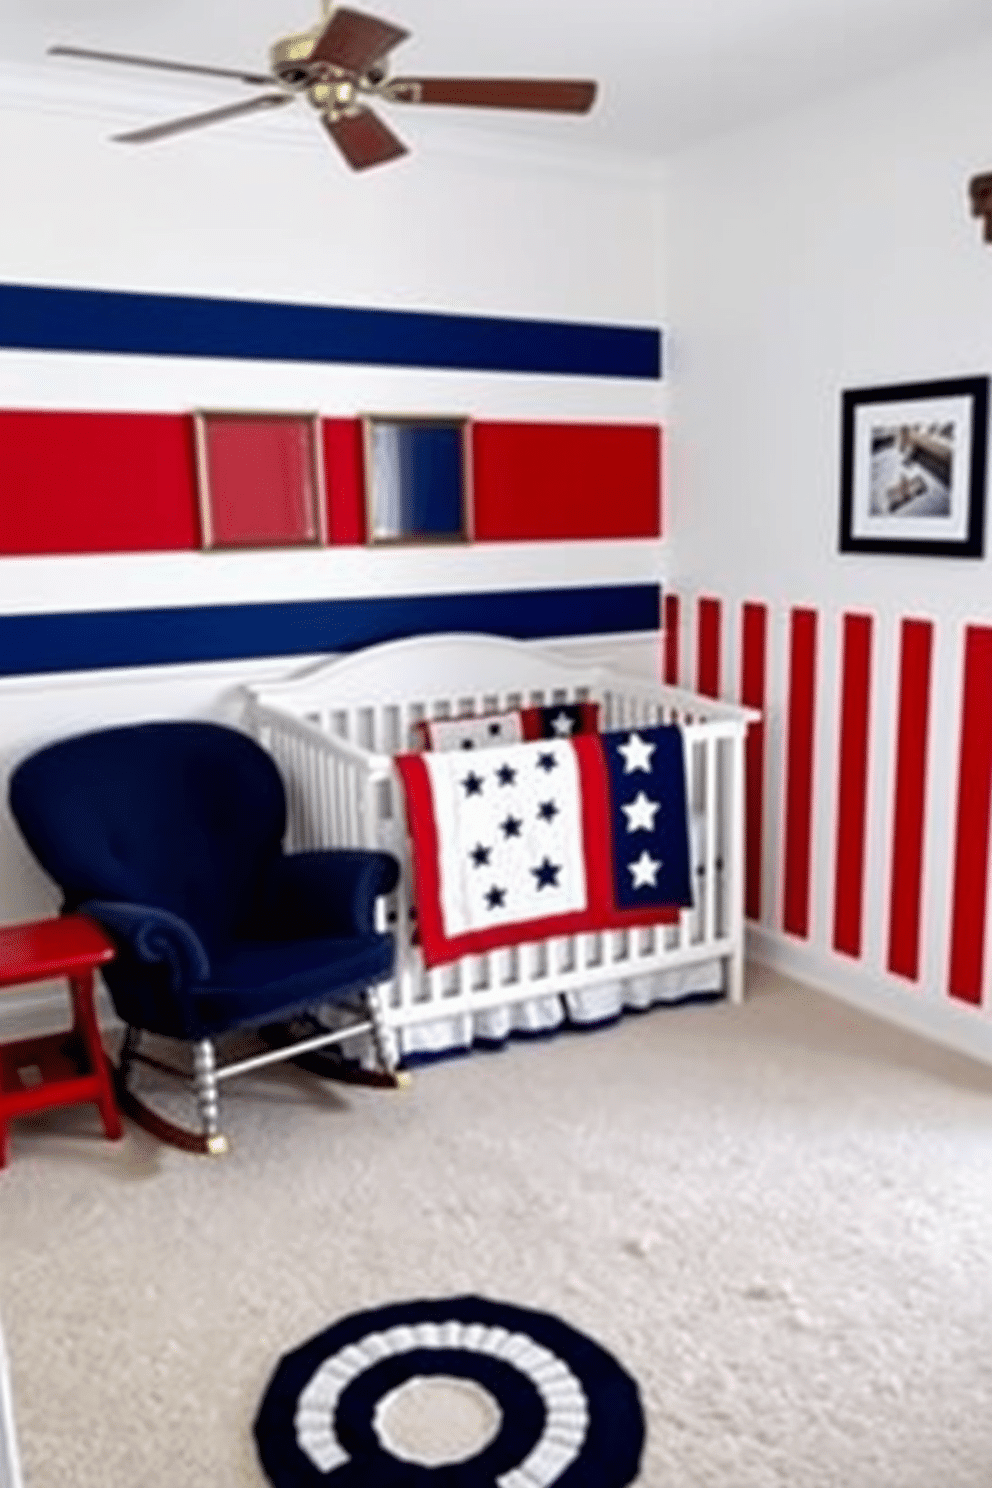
(909, 814)
(852, 784)
(126, 482)
(97, 483)
(797, 856)
(971, 855)
(536, 482)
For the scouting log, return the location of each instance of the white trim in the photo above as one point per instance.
(44, 1008)
(950, 1024)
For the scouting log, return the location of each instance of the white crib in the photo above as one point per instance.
(333, 728)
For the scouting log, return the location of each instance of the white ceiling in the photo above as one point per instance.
(671, 71)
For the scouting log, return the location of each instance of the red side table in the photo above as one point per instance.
(62, 1069)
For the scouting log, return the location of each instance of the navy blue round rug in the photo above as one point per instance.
(456, 1392)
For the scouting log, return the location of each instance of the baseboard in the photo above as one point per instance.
(45, 1008)
(955, 1026)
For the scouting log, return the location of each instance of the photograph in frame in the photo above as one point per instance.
(913, 468)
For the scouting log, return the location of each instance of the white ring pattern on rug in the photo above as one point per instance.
(437, 1419)
(563, 1396)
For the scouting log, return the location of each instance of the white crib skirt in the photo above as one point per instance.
(601, 1003)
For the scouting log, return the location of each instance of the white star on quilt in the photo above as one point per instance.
(640, 813)
(637, 754)
(645, 871)
(562, 725)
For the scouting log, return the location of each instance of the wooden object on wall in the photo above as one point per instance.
(980, 193)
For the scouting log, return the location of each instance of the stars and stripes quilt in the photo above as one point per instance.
(544, 838)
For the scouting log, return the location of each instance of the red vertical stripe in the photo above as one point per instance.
(754, 631)
(708, 648)
(905, 905)
(971, 857)
(799, 772)
(672, 640)
(344, 477)
(852, 784)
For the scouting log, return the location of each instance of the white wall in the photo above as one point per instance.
(833, 249)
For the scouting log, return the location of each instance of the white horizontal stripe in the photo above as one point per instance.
(122, 581)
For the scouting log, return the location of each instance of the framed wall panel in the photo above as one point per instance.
(418, 478)
(261, 479)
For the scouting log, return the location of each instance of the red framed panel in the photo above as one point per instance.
(535, 482)
(96, 482)
(260, 479)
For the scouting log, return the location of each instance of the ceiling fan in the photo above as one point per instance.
(338, 64)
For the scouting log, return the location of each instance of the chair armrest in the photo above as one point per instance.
(328, 892)
(154, 936)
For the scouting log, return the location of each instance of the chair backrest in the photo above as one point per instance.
(183, 816)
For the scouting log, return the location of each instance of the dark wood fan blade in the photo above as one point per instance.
(553, 95)
(354, 41)
(363, 139)
(242, 77)
(198, 121)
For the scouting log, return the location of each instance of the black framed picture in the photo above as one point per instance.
(913, 467)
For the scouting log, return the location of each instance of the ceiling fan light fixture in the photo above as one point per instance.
(338, 63)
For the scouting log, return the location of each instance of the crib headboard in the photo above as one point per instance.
(424, 666)
(470, 672)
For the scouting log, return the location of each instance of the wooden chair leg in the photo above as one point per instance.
(87, 1029)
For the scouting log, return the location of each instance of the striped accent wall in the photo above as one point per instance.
(868, 795)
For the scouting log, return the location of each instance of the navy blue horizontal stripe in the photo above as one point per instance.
(38, 318)
(92, 639)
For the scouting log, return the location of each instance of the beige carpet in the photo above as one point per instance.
(778, 1217)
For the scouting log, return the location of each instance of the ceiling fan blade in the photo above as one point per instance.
(244, 77)
(553, 95)
(363, 139)
(354, 41)
(198, 121)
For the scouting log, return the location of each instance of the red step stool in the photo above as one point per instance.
(72, 1066)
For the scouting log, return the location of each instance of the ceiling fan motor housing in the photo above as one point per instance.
(289, 58)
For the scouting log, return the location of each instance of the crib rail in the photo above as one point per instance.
(335, 754)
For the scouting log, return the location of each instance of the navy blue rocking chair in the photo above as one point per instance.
(170, 835)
